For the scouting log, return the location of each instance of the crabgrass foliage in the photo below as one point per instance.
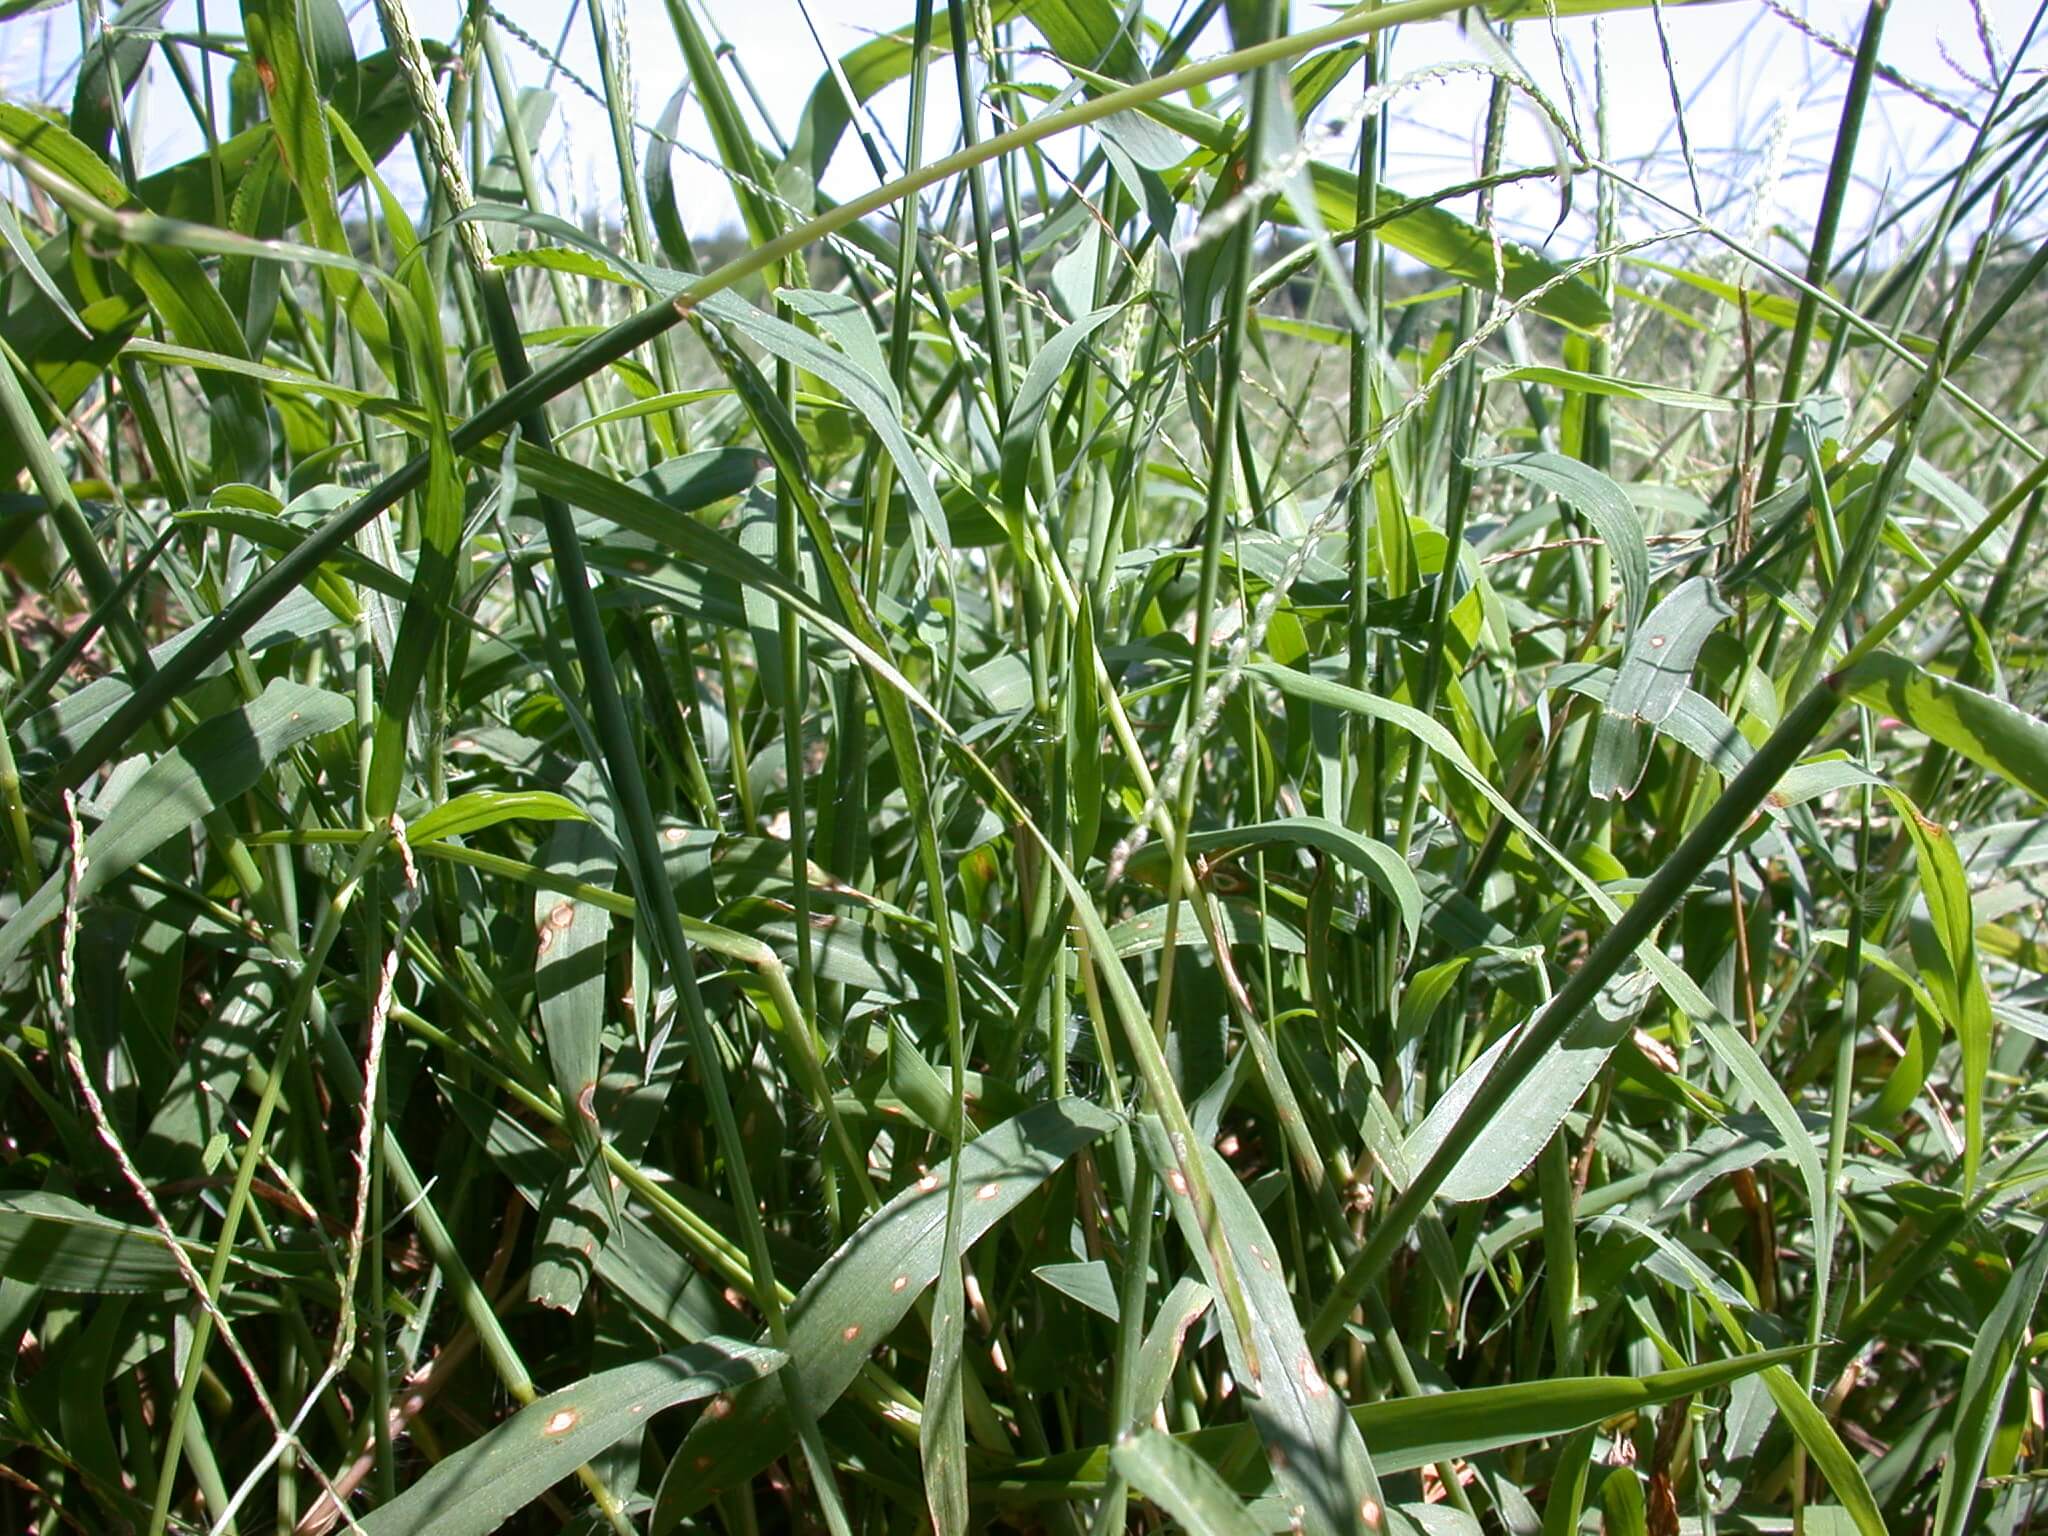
(1143, 830)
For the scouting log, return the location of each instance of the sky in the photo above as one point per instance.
(1762, 97)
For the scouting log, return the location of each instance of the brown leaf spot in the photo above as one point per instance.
(561, 1421)
(1312, 1379)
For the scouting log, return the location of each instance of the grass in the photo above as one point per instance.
(1139, 832)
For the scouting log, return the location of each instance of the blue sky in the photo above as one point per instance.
(1759, 93)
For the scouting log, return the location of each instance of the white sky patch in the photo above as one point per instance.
(1762, 100)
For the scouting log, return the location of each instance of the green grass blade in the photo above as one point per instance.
(476, 1490)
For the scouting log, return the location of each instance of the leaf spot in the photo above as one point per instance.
(850, 1332)
(899, 1282)
(1312, 1378)
(561, 1421)
(988, 1192)
(1178, 1180)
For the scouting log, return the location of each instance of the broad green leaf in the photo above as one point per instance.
(1048, 371)
(2006, 845)
(870, 395)
(1182, 1308)
(1087, 1282)
(1696, 722)
(475, 809)
(637, 1261)
(1987, 731)
(843, 320)
(1950, 968)
(569, 972)
(627, 506)
(1433, 734)
(1438, 238)
(1613, 517)
(331, 583)
(293, 43)
(942, 1430)
(1622, 1512)
(210, 765)
(1407, 1434)
(1084, 737)
(42, 333)
(1144, 932)
(1993, 1356)
(30, 266)
(54, 1242)
(111, 68)
(477, 1489)
(1778, 309)
(60, 728)
(382, 116)
(1094, 33)
(1368, 856)
(176, 286)
(1655, 671)
(1721, 1034)
(499, 178)
(1539, 1104)
(423, 626)
(1182, 1484)
(1322, 1464)
(854, 1302)
(1812, 1427)
(1573, 381)
(1087, 32)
